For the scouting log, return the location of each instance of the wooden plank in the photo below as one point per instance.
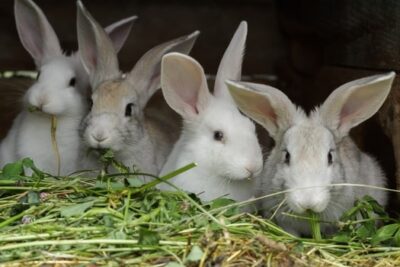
(356, 33)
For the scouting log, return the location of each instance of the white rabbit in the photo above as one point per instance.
(314, 151)
(117, 120)
(215, 135)
(60, 90)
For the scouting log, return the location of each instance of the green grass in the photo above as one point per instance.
(117, 220)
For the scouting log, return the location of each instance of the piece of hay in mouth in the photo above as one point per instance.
(53, 130)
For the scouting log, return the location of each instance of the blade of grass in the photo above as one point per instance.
(53, 130)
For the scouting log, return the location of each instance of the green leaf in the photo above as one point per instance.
(342, 238)
(363, 232)
(135, 182)
(108, 220)
(385, 233)
(148, 237)
(28, 163)
(33, 109)
(397, 238)
(112, 185)
(222, 202)
(377, 208)
(13, 170)
(121, 168)
(195, 254)
(33, 197)
(77, 209)
(118, 235)
(174, 264)
(109, 154)
(349, 214)
(298, 248)
(117, 185)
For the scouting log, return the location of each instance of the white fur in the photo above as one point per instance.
(307, 174)
(54, 93)
(135, 139)
(225, 168)
(30, 136)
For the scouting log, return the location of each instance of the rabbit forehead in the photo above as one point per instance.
(59, 67)
(224, 116)
(111, 96)
(308, 140)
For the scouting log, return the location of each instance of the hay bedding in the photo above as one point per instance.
(117, 220)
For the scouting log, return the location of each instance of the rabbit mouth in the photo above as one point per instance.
(39, 111)
(233, 179)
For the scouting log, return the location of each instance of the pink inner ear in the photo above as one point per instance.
(344, 113)
(190, 96)
(266, 109)
(191, 100)
(353, 106)
(193, 104)
(32, 35)
(88, 52)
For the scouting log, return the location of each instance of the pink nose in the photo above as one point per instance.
(99, 137)
(253, 170)
(41, 102)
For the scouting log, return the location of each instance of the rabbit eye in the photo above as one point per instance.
(218, 136)
(330, 157)
(72, 82)
(287, 157)
(90, 103)
(128, 110)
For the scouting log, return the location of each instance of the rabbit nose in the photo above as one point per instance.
(253, 170)
(41, 102)
(99, 137)
(250, 171)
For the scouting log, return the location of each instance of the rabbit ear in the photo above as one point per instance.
(35, 32)
(96, 49)
(184, 85)
(355, 102)
(230, 67)
(119, 31)
(145, 76)
(266, 105)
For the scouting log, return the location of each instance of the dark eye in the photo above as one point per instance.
(90, 101)
(38, 75)
(72, 82)
(218, 136)
(287, 157)
(330, 157)
(128, 110)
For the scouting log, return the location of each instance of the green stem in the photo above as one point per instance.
(17, 217)
(168, 176)
(315, 225)
(80, 242)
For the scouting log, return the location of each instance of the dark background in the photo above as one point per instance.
(159, 21)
